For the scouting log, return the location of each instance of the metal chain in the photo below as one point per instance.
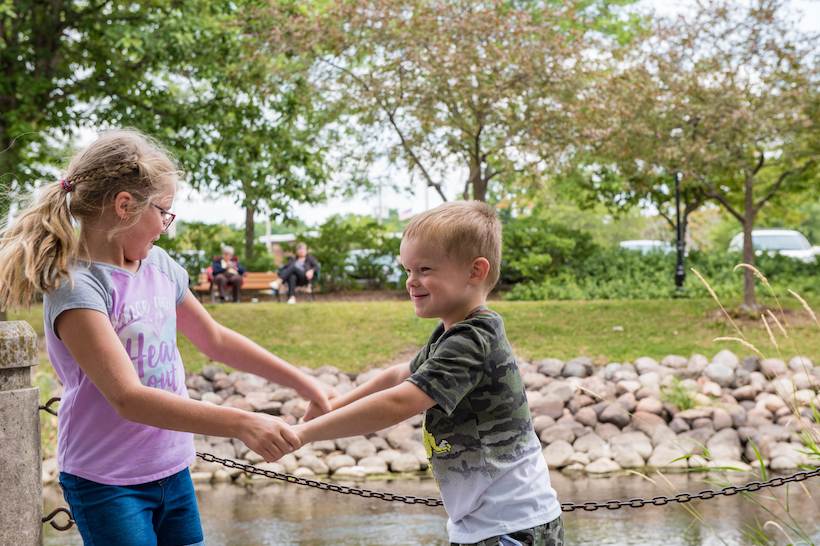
(47, 407)
(686, 497)
(565, 506)
(323, 486)
(50, 517)
(409, 499)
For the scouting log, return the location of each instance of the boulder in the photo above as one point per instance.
(615, 415)
(361, 449)
(675, 362)
(405, 462)
(551, 404)
(667, 455)
(627, 457)
(638, 441)
(727, 358)
(587, 416)
(801, 364)
(647, 423)
(646, 364)
(374, 465)
(335, 462)
(551, 367)
(773, 367)
(540, 422)
(650, 404)
(588, 442)
(719, 373)
(724, 444)
(575, 369)
(557, 432)
(697, 363)
(603, 466)
(558, 454)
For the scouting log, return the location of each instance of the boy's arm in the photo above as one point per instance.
(368, 414)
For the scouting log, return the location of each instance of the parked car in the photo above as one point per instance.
(645, 246)
(787, 242)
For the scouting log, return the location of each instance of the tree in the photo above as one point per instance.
(728, 98)
(486, 87)
(180, 70)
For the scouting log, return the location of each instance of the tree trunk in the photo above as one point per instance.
(250, 210)
(749, 301)
(480, 189)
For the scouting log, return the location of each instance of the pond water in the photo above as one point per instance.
(274, 513)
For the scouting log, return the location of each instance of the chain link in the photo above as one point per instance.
(49, 518)
(47, 407)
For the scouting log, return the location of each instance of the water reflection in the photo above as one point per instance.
(280, 514)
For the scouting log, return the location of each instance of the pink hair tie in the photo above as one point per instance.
(66, 186)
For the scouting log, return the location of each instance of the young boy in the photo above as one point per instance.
(478, 432)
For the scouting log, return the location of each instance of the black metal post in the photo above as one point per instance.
(680, 272)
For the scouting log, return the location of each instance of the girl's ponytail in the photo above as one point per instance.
(37, 249)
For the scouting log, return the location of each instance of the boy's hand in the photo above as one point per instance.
(270, 437)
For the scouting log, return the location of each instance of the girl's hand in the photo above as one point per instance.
(269, 436)
(321, 405)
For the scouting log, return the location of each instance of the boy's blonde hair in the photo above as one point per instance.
(465, 230)
(38, 249)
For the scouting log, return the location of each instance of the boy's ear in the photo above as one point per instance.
(479, 270)
(122, 201)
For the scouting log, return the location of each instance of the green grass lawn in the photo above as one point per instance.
(354, 336)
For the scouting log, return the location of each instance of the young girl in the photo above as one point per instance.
(112, 307)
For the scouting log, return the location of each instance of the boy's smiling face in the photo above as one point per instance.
(439, 286)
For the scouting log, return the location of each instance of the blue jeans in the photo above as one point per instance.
(159, 513)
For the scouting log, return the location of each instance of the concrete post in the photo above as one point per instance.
(21, 475)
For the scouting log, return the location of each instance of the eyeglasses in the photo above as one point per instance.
(167, 217)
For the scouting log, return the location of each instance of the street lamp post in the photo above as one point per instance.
(680, 272)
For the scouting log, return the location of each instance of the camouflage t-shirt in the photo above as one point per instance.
(479, 438)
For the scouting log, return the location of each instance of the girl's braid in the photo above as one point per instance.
(118, 171)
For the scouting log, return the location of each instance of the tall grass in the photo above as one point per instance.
(777, 326)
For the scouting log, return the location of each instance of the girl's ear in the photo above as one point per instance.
(479, 270)
(122, 201)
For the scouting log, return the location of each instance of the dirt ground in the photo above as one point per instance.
(353, 295)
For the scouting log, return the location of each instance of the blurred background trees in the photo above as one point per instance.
(575, 119)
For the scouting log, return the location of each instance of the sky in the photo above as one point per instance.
(192, 207)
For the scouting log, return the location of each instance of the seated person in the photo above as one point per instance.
(298, 271)
(228, 271)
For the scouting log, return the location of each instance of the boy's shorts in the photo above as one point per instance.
(549, 534)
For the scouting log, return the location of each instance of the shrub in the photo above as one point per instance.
(623, 274)
(332, 248)
(536, 248)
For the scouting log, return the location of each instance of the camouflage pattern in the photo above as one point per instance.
(479, 436)
(471, 373)
(549, 534)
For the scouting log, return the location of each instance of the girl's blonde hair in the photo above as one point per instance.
(37, 250)
(465, 230)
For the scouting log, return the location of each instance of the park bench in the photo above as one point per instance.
(252, 281)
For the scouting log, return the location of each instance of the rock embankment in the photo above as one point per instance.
(595, 419)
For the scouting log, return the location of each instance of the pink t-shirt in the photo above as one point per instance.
(94, 442)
